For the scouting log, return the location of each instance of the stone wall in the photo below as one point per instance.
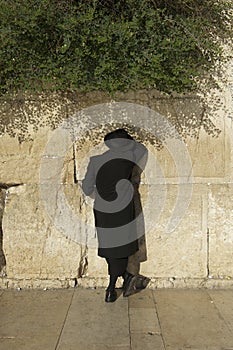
(47, 238)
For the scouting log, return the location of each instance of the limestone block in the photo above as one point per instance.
(25, 163)
(55, 170)
(181, 253)
(175, 161)
(204, 133)
(97, 266)
(82, 206)
(33, 245)
(160, 167)
(220, 219)
(229, 139)
(20, 161)
(2, 205)
(171, 163)
(209, 155)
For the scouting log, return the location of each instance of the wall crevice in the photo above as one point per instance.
(4, 187)
(208, 253)
(2, 207)
(83, 265)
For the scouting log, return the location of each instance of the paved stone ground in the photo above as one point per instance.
(79, 319)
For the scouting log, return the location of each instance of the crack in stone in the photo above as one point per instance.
(7, 186)
(208, 247)
(2, 255)
(4, 188)
(83, 265)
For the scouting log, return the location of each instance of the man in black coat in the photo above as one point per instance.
(108, 177)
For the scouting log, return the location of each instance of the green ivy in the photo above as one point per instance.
(110, 45)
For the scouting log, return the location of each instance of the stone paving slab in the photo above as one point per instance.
(223, 300)
(93, 324)
(144, 325)
(189, 320)
(142, 341)
(143, 299)
(32, 320)
(79, 319)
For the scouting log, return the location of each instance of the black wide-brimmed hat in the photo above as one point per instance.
(118, 133)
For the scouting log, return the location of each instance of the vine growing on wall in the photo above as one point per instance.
(110, 45)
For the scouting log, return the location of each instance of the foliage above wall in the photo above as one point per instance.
(110, 45)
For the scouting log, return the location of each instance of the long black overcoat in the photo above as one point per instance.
(109, 176)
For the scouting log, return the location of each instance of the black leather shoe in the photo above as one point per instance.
(110, 296)
(142, 282)
(129, 284)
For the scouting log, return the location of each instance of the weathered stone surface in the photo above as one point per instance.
(38, 246)
(80, 319)
(171, 158)
(190, 321)
(222, 300)
(181, 253)
(2, 206)
(33, 319)
(33, 246)
(101, 326)
(20, 163)
(220, 223)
